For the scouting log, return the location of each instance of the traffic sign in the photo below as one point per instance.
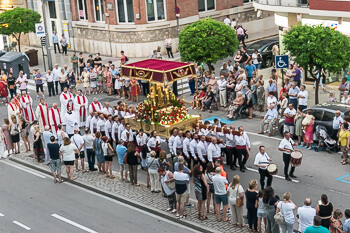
(40, 29)
(281, 61)
(177, 10)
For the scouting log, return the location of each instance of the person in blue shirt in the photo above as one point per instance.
(249, 70)
(346, 226)
(316, 228)
(55, 42)
(270, 119)
(97, 146)
(121, 152)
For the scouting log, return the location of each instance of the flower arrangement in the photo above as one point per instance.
(165, 116)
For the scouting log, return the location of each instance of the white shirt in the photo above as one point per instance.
(303, 101)
(56, 73)
(88, 141)
(193, 148)
(219, 184)
(230, 140)
(306, 217)
(227, 21)
(202, 150)
(108, 127)
(242, 140)
(286, 144)
(222, 84)
(177, 143)
(93, 123)
(289, 111)
(68, 152)
(101, 125)
(108, 111)
(49, 78)
(262, 159)
(337, 121)
(214, 152)
(141, 140)
(171, 143)
(121, 128)
(345, 101)
(272, 100)
(124, 136)
(78, 140)
(186, 146)
(114, 129)
(152, 142)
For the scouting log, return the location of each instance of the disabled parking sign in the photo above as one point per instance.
(281, 61)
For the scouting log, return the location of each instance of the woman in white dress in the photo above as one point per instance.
(2, 144)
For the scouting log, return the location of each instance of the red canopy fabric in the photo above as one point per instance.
(158, 71)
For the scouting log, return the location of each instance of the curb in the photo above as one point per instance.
(138, 205)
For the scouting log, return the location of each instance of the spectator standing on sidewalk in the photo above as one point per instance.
(56, 71)
(108, 158)
(168, 45)
(201, 187)
(305, 214)
(249, 70)
(99, 154)
(286, 207)
(297, 75)
(121, 153)
(236, 192)
(168, 184)
(293, 95)
(153, 165)
(132, 163)
(344, 86)
(302, 97)
(55, 159)
(74, 61)
(251, 197)
(46, 139)
(50, 83)
(220, 183)
(316, 228)
(181, 182)
(222, 91)
(64, 44)
(90, 153)
(68, 150)
(39, 84)
(346, 226)
(55, 42)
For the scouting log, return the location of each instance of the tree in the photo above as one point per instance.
(317, 47)
(207, 41)
(17, 21)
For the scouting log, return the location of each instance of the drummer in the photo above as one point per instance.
(262, 160)
(286, 145)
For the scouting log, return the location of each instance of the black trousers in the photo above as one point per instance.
(58, 47)
(64, 49)
(51, 87)
(263, 173)
(145, 88)
(175, 89)
(204, 165)
(240, 153)
(188, 161)
(286, 160)
(252, 218)
(241, 38)
(56, 86)
(229, 154)
(91, 158)
(170, 52)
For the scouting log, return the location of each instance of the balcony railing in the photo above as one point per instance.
(288, 3)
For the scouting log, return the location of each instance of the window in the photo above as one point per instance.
(155, 10)
(206, 5)
(99, 12)
(328, 116)
(317, 114)
(125, 11)
(52, 10)
(82, 11)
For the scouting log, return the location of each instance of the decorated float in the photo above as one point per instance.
(161, 110)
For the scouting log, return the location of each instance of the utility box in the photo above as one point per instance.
(33, 57)
(13, 62)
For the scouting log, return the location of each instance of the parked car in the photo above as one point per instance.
(324, 114)
(264, 47)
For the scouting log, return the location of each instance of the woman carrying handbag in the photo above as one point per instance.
(235, 199)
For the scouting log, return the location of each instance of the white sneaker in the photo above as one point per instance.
(169, 209)
(173, 211)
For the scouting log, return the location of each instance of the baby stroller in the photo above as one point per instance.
(324, 140)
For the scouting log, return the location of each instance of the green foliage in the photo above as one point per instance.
(207, 41)
(17, 21)
(318, 46)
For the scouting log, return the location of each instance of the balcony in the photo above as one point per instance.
(287, 3)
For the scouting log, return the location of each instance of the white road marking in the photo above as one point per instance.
(73, 223)
(21, 225)
(24, 169)
(277, 176)
(264, 136)
(133, 208)
(2, 215)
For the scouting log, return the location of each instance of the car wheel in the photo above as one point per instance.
(268, 62)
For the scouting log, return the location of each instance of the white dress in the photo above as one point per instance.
(2, 145)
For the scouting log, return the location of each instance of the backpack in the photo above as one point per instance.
(126, 59)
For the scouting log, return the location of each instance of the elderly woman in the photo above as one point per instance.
(236, 104)
(236, 192)
(213, 84)
(271, 99)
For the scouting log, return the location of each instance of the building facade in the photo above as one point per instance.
(139, 26)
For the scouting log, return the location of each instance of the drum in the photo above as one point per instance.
(272, 169)
(295, 158)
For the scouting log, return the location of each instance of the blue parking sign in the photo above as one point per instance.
(281, 61)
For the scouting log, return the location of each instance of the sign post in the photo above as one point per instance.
(282, 62)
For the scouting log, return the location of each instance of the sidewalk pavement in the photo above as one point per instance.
(61, 59)
(140, 196)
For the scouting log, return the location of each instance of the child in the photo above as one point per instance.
(261, 211)
(331, 97)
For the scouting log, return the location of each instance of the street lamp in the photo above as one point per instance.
(47, 42)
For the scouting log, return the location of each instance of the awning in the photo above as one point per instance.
(158, 71)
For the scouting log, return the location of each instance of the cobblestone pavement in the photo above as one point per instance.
(141, 195)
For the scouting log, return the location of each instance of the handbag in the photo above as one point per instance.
(279, 218)
(171, 184)
(239, 201)
(110, 152)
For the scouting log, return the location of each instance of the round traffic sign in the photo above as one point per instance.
(177, 10)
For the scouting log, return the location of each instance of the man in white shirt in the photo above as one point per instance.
(289, 113)
(93, 122)
(202, 149)
(108, 129)
(306, 215)
(56, 71)
(115, 127)
(227, 21)
(90, 154)
(242, 147)
(141, 139)
(127, 135)
(262, 161)
(337, 121)
(95, 105)
(270, 119)
(50, 78)
(171, 142)
(219, 183)
(121, 128)
(302, 97)
(214, 150)
(193, 148)
(88, 119)
(100, 125)
(286, 145)
(222, 91)
(186, 148)
(154, 143)
(107, 109)
(178, 143)
(78, 141)
(230, 148)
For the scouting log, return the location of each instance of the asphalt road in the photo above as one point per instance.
(30, 201)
